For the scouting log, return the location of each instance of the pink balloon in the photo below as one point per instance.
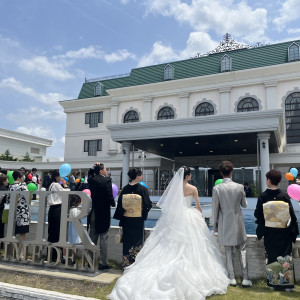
(114, 190)
(294, 191)
(87, 191)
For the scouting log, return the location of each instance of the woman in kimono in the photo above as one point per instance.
(132, 210)
(277, 223)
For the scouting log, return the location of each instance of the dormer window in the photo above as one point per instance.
(293, 52)
(168, 72)
(98, 89)
(225, 63)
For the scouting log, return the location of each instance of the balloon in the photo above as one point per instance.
(294, 191)
(77, 180)
(64, 170)
(34, 179)
(29, 176)
(82, 179)
(11, 180)
(66, 178)
(289, 176)
(218, 181)
(9, 174)
(143, 184)
(114, 190)
(87, 191)
(43, 189)
(60, 182)
(39, 180)
(294, 172)
(31, 187)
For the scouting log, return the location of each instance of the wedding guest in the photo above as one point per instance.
(277, 223)
(22, 213)
(72, 181)
(248, 190)
(54, 214)
(227, 199)
(3, 198)
(73, 236)
(99, 218)
(132, 211)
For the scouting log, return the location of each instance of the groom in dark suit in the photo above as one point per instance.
(99, 218)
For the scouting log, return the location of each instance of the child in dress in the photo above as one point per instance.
(73, 236)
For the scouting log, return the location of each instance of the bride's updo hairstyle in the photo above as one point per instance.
(187, 171)
(133, 173)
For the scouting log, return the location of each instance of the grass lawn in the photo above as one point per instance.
(90, 289)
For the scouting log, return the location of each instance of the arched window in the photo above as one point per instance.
(292, 118)
(168, 72)
(204, 109)
(247, 104)
(98, 89)
(294, 52)
(131, 116)
(165, 113)
(225, 63)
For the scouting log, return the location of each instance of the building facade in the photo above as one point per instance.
(239, 103)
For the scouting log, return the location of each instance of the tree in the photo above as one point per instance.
(26, 157)
(7, 156)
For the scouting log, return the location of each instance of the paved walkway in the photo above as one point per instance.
(22, 292)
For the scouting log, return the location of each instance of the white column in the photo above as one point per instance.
(184, 105)
(113, 120)
(225, 100)
(264, 157)
(147, 115)
(271, 94)
(126, 159)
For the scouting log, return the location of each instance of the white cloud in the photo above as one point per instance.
(289, 12)
(49, 98)
(36, 113)
(198, 42)
(124, 2)
(39, 131)
(63, 140)
(220, 16)
(42, 65)
(93, 52)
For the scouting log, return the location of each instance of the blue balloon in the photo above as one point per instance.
(66, 179)
(294, 172)
(64, 170)
(143, 183)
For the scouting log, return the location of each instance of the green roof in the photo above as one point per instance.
(241, 59)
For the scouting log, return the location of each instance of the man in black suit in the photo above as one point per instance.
(99, 218)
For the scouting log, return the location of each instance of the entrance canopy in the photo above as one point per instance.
(200, 136)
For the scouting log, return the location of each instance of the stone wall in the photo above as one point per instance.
(255, 252)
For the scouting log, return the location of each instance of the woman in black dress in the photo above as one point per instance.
(277, 223)
(3, 187)
(132, 210)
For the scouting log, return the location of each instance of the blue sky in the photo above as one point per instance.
(48, 47)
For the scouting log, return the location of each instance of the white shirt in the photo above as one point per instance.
(54, 198)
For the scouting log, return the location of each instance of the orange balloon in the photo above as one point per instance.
(77, 180)
(289, 176)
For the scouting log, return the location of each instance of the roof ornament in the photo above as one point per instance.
(229, 44)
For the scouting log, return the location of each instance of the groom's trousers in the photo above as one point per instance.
(241, 251)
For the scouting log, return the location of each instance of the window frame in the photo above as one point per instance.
(292, 139)
(131, 120)
(97, 92)
(159, 117)
(241, 109)
(95, 116)
(168, 72)
(87, 147)
(206, 113)
(289, 52)
(226, 67)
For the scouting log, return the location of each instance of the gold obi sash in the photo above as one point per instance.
(132, 203)
(276, 213)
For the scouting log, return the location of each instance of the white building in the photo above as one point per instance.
(238, 103)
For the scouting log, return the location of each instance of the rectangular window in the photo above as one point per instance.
(93, 119)
(92, 146)
(34, 150)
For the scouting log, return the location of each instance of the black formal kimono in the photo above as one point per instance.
(278, 236)
(132, 210)
(2, 201)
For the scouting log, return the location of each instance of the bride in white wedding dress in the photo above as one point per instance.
(180, 260)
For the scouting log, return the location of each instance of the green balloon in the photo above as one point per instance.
(31, 187)
(11, 180)
(218, 181)
(82, 179)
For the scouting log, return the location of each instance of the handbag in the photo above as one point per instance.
(119, 237)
